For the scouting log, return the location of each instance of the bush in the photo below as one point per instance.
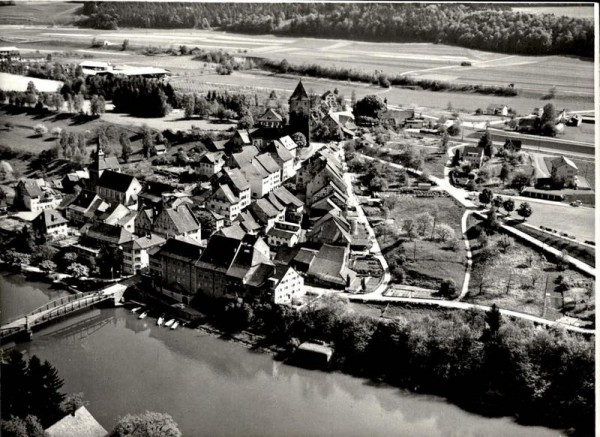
(448, 288)
(40, 129)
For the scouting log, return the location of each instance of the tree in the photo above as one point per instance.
(486, 196)
(147, 140)
(549, 129)
(72, 402)
(47, 266)
(17, 427)
(491, 221)
(509, 206)
(504, 172)
(369, 106)
(498, 202)
(125, 146)
(524, 210)
(548, 114)
(424, 222)
(97, 105)
(246, 121)
(409, 227)
(78, 270)
(44, 386)
(189, 106)
(125, 44)
(493, 321)
(456, 158)
(40, 129)
(78, 102)
(148, 424)
(444, 232)
(505, 243)
(444, 143)
(448, 288)
(299, 139)
(520, 179)
(485, 142)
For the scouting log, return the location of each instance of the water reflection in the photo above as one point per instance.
(214, 387)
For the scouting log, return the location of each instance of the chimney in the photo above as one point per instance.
(148, 235)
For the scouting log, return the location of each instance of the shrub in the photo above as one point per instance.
(448, 288)
(40, 129)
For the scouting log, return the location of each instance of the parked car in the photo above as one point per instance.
(576, 203)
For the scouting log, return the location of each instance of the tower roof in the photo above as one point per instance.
(299, 93)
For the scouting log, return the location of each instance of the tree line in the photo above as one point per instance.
(485, 27)
(480, 361)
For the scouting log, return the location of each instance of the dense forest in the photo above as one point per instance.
(485, 27)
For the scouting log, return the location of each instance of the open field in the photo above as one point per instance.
(564, 218)
(569, 11)
(15, 82)
(528, 73)
(55, 13)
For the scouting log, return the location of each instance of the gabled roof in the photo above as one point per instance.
(217, 146)
(146, 242)
(234, 231)
(244, 135)
(245, 156)
(115, 181)
(329, 264)
(211, 158)
(247, 222)
(264, 210)
(114, 213)
(305, 255)
(268, 163)
(286, 198)
(299, 93)
(237, 179)
(182, 218)
(109, 233)
(275, 202)
(252, 172)
(157, 187)
(108, 163)
(225, 194)
(280, 153)
(557, 162)
(219, 253)
(84, 199)
(270, 115)
(31, 187)
(177, 248)
(80, 424)
(281, 233)
(288, 142)
(50, 217)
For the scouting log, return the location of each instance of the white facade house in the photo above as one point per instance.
(286, 284)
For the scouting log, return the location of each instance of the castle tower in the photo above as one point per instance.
(300, 108)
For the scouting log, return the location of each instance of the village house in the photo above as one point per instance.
(270, 120)
(50, 223)
(177, 222)
(317, 173)
(303, 259)
(289, 144)
(210, 164)
(154, 195)
(119, 187)
(497, 110)
(240, 139)
(267, 212)
(80, 423)
(294, 207)
(238, 185)
(209, 218)
(332, 228)
(262, 180)
(119, 215)
(473, 156)
(224, 202)
(74, 182)
(285, 284)
(85, 207)
(334, 122)
(247, 223)
(135, 252)
(283, 234)
(232, 267)
(172, 268)
(564, 169)
(35, 195)
(330, 268)
(98, 234)
(330, 99)
(396, 117)
(243, 157)
(283, 158)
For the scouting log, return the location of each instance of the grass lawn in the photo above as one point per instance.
(427, 262)
(564, 218)
(516, 278)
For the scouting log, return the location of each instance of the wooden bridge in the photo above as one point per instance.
(56, 309)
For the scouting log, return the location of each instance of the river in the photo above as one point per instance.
(212, 387)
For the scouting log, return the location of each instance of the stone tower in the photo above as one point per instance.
(300, 108)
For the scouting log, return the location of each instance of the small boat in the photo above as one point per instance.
(143, 315)
(135, 310)
(175, 325)
(169, 323)
(160, 321)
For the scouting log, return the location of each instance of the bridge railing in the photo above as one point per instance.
(82, 302)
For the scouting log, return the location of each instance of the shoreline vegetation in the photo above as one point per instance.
(488, 364)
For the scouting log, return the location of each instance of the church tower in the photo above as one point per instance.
(300, 108)
(97, 165)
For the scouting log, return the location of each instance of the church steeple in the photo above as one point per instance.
(99, 150)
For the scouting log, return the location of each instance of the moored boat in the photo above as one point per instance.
(169, 323)
(160, 321)
(175, 325)
(143, 315)
(136, 309)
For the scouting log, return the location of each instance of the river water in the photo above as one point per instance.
(217, 388)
